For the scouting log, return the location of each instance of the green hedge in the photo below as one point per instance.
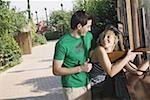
(9, 51)
(52, 35)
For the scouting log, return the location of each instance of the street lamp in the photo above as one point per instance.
(36, 17)
(61, 6)
(28, 6)
(63, 22)
(46, 16)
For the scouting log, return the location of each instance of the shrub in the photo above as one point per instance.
(10, 51)
(40, 39)
(52, 35)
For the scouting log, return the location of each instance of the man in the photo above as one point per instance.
(121, 90)
(70, 56)
(134, 72)
(120, 45)
(120, 26)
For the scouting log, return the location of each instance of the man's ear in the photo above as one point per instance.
(79, 26)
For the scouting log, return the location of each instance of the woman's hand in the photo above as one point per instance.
(131, 55)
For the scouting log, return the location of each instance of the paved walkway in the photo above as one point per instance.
(33, 78)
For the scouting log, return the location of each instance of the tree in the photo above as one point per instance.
(59, 24)
(10, 20)
(9, 48)
(80, 5)
(60, 18)
(103, 12)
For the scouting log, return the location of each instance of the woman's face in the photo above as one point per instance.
(108, 40)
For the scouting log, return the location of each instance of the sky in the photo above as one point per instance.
(39, 5)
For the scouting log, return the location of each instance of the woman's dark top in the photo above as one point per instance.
(103, 86)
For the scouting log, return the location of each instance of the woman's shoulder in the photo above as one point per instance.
(100, 48)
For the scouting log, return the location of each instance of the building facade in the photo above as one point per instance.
(135, 14)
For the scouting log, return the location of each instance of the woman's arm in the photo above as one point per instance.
(112, 69)
(131, 67)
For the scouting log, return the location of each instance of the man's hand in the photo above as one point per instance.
(86, 67)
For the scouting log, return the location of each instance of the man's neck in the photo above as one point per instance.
(75, 34)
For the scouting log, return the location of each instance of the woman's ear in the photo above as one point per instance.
(100, 38)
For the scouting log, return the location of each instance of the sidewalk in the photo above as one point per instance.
(33, 78)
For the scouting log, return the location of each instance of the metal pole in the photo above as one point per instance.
(63, 16)
(36, 17)
(28, 6)
(61, 6)
(46, 16)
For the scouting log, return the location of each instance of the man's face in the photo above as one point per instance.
(120, 28)
(85, 28)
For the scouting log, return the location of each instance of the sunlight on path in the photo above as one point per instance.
(33, 78)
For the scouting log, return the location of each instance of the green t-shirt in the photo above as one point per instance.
(73, 51)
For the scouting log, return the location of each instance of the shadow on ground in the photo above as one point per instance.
(50, 84)
(32, 69)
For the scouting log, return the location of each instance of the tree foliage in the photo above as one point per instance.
(103, 12)
(80, 5)
(59, 24)
(60, 18)
(10, 20)
(9, 49)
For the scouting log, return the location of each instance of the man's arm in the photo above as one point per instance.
(59, 70)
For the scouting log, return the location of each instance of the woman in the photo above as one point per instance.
(106, 44)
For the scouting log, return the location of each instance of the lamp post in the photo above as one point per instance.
(63, 22)
(36, 17)
(28, 6)
(46, 16)
(61, 6)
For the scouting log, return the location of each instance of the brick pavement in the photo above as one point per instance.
(33, 78)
